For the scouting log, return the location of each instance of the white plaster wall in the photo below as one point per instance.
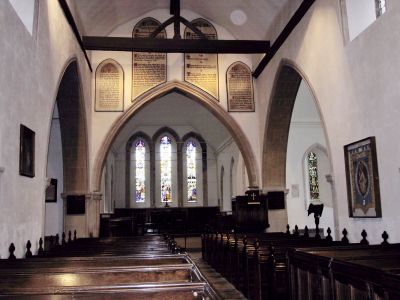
(32, 66)
(54, 222)
(102, 122)
(224, 155)
(357, 95)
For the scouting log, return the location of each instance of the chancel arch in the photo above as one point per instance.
(290, 124)
(194, 94)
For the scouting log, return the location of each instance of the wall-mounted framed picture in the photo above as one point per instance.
(51, 191)
(362, 179)
(26, 152)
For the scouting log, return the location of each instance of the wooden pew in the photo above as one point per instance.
(349, 272)
(107, 275)
(249, 264)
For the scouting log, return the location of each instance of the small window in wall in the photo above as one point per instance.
(380, 7)
(166, 169)
(140, 157)
(360, 14)
(25, 10)
(191, 171)
(312, 164)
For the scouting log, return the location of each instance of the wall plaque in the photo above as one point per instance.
(149, 69)
(239, 85)
(109, 86)
(76, 204)
(201, 69)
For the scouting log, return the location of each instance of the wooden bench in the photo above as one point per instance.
(106, 274)
(256, 264)
(349, 272)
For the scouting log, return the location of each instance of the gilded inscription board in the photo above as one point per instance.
(109, 86)
(149, 69)
(239, 85)
(201, 70)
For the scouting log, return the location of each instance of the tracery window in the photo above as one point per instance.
(166, 169)
(140, 168)
(312, 165)
(380, 7)
(191, 171)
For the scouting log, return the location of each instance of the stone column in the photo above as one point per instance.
(93, 201)
(277, 218)
(88, 223)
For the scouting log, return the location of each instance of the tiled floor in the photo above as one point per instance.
(223, 288)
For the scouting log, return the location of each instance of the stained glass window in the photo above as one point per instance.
(313, 175)
(191, 171)
(140, 156)
(166, 169)
(380, 7)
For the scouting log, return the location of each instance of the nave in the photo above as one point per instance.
(274, 265)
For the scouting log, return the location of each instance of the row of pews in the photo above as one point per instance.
(285, 265)
(345, 272)
(145, 267)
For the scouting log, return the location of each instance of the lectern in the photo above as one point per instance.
(250, 212)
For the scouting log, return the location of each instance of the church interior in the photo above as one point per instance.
(152, 149)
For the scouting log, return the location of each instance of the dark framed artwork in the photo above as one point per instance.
(362, 179)
(27, 152)
(51, 191)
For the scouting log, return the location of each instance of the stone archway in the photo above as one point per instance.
(73, 130)
(276, 134)
(277, 126)
(194, 94)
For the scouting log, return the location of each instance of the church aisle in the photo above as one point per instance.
(221, 286)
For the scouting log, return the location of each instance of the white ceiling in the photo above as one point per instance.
(175, 110)
(101, 17)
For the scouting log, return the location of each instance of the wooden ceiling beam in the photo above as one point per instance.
(70, 19)
(290, 26)
(174, 45)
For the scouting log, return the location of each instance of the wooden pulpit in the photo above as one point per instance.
(250, 212)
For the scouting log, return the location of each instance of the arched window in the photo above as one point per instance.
(166, 169)
(312, 165)
(221, 201)
(140, 171)
(231, 185)
(191, 171)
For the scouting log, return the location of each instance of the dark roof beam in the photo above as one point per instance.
(290, 26)
(175, 46)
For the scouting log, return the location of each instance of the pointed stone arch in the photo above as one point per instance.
(287, 82)
(199, 97)
(70, 103)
